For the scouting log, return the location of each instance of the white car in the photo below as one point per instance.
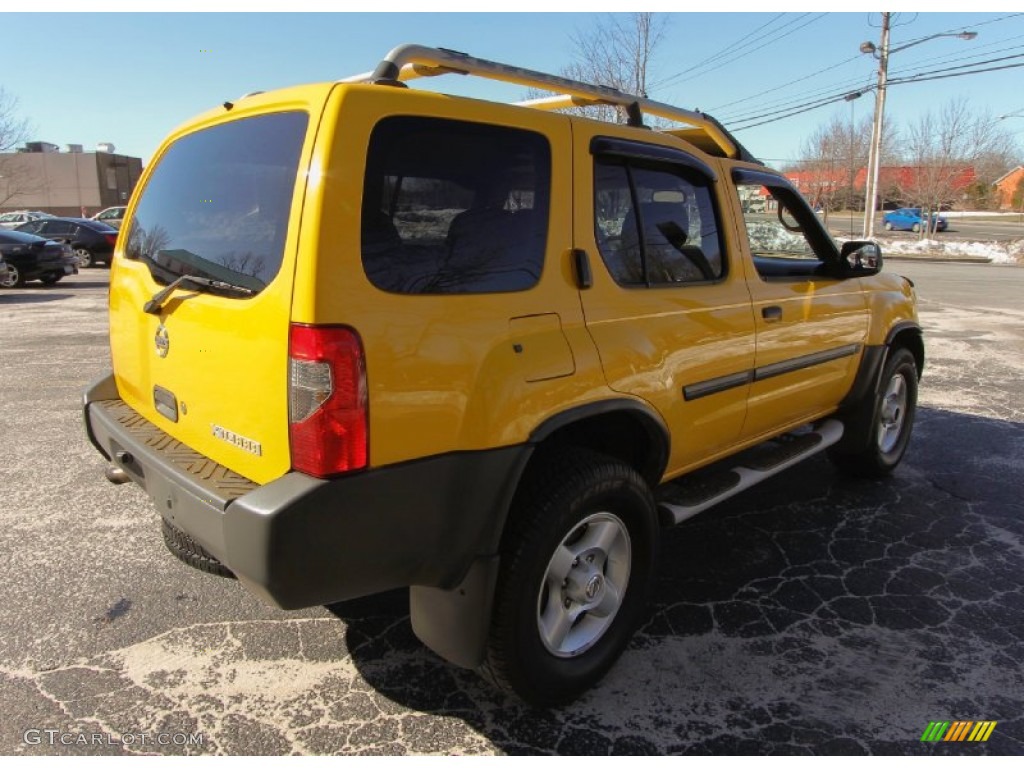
(112, 216)
(17, 218)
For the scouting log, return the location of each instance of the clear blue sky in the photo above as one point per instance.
(129, 78)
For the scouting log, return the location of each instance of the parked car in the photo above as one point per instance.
(91, 241)
(490, 360)
(30, 257)
(912, 219)
(112, 216)
(17, 218)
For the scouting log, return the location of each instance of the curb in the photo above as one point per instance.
(936, 258)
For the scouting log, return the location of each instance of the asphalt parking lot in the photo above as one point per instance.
(811, 615)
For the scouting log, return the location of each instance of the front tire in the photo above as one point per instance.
(887, 419)
(578, 561)
(888, 226)
(916, 228)
(13, 279)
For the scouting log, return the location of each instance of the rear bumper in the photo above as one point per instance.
(299, 541)
(34, 268)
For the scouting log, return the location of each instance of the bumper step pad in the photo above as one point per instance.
(218, 479)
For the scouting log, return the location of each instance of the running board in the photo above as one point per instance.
(691, 495)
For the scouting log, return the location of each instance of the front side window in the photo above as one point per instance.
(454, 207)
(656, 225)
(218, 203)
(786, 238)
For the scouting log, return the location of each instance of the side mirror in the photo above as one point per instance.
(860, 258)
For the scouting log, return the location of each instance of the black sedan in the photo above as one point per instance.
(29, 257)
(91, 241)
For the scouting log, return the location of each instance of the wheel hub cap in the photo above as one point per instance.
(891, 413)
(583, 587)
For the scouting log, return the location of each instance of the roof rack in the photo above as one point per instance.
(408, 62)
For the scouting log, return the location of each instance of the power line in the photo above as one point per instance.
(768, 108)
(704, 69)
(728, 49)
(846, 86)
(962, 66)
(855, 83)
(784, 85)
(923, 77)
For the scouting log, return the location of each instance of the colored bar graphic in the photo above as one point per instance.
(958, 730)
(982, 730)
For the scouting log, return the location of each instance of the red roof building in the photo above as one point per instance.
(1006, 185)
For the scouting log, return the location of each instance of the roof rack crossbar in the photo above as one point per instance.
(407, 62)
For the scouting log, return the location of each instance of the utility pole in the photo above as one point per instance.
(875, 150)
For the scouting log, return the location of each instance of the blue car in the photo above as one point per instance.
(912, 219)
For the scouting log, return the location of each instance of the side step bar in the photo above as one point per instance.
(690, 495)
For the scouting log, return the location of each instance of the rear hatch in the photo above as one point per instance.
(208, 363)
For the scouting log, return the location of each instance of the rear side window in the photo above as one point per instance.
(454, 207)
(217, 205)
(59, 228)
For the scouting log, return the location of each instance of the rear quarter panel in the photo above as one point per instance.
(443, 371)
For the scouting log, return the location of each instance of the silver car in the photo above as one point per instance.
(17, 218)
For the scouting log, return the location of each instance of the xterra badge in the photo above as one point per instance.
(237, 440)
(163, 343)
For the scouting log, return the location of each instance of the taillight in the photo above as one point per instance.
(327, 401)
(112, 239)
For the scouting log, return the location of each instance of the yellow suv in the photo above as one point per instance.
(367, 337)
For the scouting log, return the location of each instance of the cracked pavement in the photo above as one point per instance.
(810, 615)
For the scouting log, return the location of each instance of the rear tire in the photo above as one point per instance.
(887, 418)
(577, 565)
(85, 258)
(189, 551)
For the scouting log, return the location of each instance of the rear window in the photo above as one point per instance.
(454, 207)
(217, 205)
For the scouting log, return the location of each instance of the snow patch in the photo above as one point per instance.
(1008, 252)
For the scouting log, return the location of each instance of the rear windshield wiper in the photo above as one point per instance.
(153, 306)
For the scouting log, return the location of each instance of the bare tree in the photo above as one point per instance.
(945, 151)
(616, 52)
(831, 159)
(13, 131)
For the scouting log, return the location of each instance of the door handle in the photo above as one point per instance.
(771, 314)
